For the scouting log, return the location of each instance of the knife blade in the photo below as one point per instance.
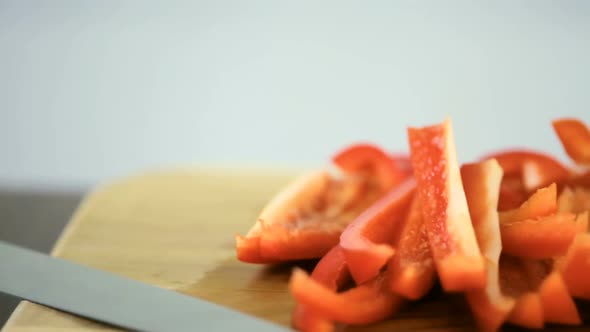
(112, 299)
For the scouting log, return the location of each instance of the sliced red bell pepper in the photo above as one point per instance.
(482, 184)
(512, 193)
(303, 191)
(575, 267)
(581, 228)
(547, 168)
(558, 305)
(511, 161)
(544, 287)
(582, 222)
(248, 249)
(542, 238)
(542, 203)
(528, 311)
(581, 200)
(575, 138)
(580, 180)
(516, 283)
(458, 261)
(330, 271)
(536, 271)
(365, 304)
(306, 218)
(574, 201)
(565, 200)
(306, 320)
(363, 157)
(569, 201)
(403, 162)
(534, 176)
(411, 270)
(366, 241)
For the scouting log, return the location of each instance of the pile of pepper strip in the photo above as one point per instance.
(509, 231)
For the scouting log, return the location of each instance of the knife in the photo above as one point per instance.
(112, 299)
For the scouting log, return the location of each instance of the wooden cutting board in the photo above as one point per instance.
(176, 230)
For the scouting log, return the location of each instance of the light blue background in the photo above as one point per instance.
(95, 90)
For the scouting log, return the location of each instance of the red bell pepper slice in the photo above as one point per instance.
(575, 138)
(581, 180)
(528, 311)
(364, 304)
(518, 283)
(458, 261)
(513, 162)
(575, 267)
(574, 201)
(542, 294)
(542, 238)
(366, 241)
(534, 176)
(368, 158)
(512, 193)
(330, 271)
(306, 218)
(582, 222)
(403, 162)
(411, 270)
(558, 305)
(482, 184)
(270, 241)
(565, 200)
(542, 203)
(581, 228)
(581, 200)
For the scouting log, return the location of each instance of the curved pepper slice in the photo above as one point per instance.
(542, 238)
(365, 304)
(306, 218)
(411, 270)
(365, 241)
(294, 196)
(270, 239)
(458, 261)
(511, 161)
(482, 184)
(575, 138)
(542, 203)
(370, 159)
(330, 271)
(534, 176)
(558, 305)
(547, 168)
(575, 267)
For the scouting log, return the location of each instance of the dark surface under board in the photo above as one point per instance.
(33, 220)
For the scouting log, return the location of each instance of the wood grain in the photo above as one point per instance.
(176, 230)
